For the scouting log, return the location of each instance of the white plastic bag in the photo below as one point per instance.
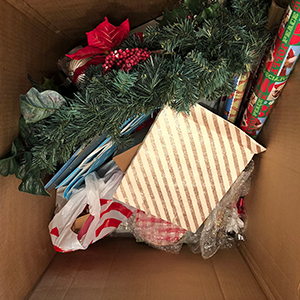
(105, 215)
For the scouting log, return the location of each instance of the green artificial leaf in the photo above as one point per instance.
(19, 163)
(209, 13)
(10, 165)
(36, 106)
(50, 85)
(16, 146)
(30, 176)
(195, 6)
(24, 165)
(35, 84)
(200, 18)
(47, 85)
(33, 184)
(27, 133)
(170, 17)
(214, 10)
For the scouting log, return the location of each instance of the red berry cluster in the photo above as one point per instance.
(125, 59)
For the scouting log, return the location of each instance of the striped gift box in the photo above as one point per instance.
(185, 166)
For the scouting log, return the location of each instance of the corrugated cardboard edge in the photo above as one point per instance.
(258, 274)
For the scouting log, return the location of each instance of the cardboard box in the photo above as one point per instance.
(33, 35)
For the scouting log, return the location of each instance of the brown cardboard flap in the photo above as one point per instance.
(273, 204)
(265, 284)
(74, 18)
(33, 14)
(233, 268)
(123, 160)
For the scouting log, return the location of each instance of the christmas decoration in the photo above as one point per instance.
(185, 166)
(126, 59)
(233, 101)
(156, 232)
(275, 72)
(36, 106)
(102, 39)
(196, 51)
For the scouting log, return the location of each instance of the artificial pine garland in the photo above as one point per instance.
(196, 51)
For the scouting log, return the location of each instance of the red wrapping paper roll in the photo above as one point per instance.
(275, 72)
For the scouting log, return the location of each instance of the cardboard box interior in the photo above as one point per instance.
(34, 34)
(120, 268)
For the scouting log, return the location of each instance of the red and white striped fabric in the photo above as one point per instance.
(105, 215)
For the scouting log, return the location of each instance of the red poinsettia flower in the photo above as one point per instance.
(85, 52)
(102, 39)
(106, 36)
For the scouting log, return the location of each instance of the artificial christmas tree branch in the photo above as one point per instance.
(197, 50)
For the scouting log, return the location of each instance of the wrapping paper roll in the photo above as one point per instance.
(233, 102)
(276, 70)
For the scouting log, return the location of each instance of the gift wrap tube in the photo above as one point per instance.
(233, 101)
(275, 72)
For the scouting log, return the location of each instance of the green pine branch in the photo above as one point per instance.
(200, 48)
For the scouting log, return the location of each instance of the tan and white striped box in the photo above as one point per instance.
(185, 166)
